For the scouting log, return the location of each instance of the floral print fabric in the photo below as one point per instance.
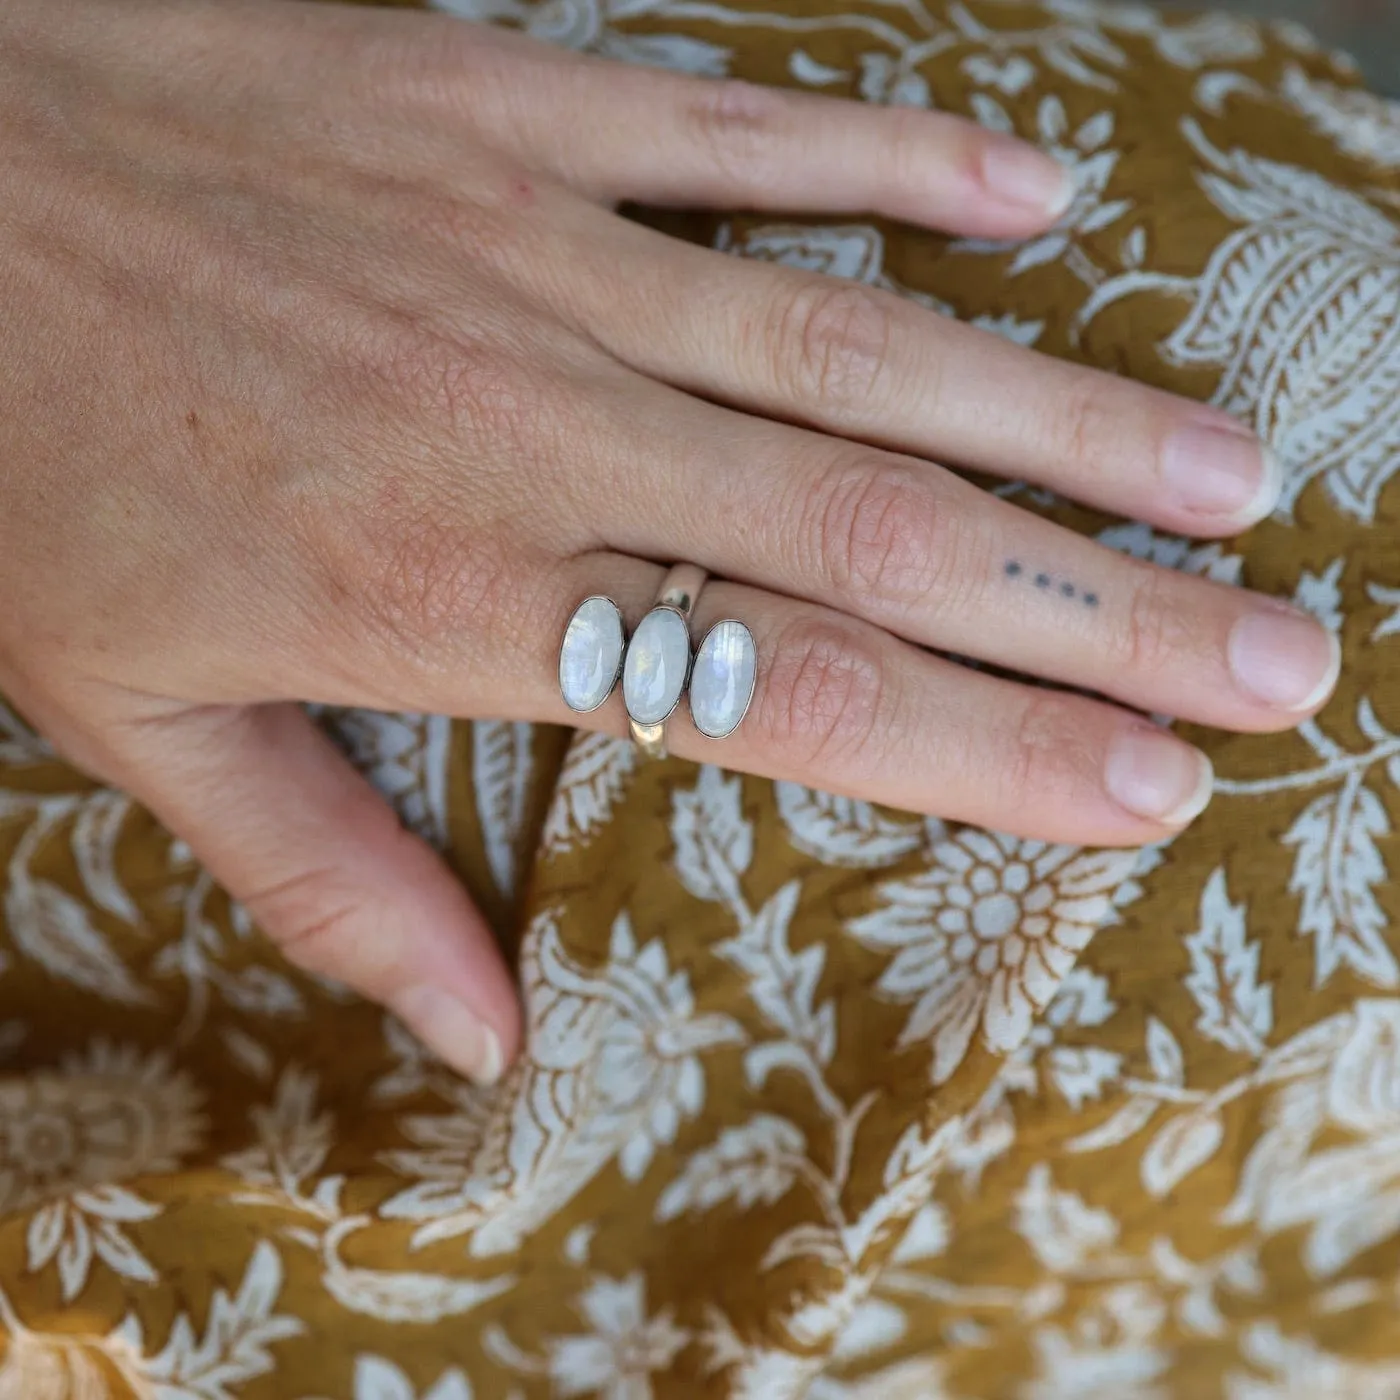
(820, 1099)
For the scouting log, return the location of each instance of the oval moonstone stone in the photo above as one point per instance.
(591, 654)
(654, 672)
(721, 683)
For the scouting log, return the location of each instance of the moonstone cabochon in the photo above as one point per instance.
(591, 654)
(722, 679)
(658, 661)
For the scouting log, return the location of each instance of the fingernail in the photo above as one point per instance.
(453, 1031)
(1285, 658)
(1214, 471)
(1020, 174)
(1154, 775)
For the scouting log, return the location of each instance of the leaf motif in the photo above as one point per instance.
(1387, 598)
(410, 1298)
(1321, 594)
(1062, 1229)
(991, 114)
(747, 1165)
(50, 926)
(121, 1256)
(1211, 39)
(1164, 1054)
(678, 52)
(377, 1379)
(1082, 1073)
(714, 840)
(94, 840)
(809, 71)
(502, 764)
(258, 990)
(844, 831)
(1335, 871)
(594, 775)
(1236, 1011)
(1302, 311)
(807, 1241)
(1174, 552)
(235, 1347)
(1361, 123)
(782, 983)
(1125, 1123)
(1182, 1144)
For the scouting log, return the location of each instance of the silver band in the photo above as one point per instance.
(679, 591)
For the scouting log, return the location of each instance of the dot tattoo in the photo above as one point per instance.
(1013, 568)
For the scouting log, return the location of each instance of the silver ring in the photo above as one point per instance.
(656, 668)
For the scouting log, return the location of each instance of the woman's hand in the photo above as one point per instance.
(330, 375)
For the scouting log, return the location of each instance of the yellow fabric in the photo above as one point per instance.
(820, 1099)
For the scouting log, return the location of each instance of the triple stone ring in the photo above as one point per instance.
(657, 665)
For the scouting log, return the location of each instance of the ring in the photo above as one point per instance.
(657, 664)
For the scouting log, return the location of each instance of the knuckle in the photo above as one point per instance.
(1048, 755)
(876, 531)
(824, 695)
(741, 126)
(833, 344)
(1151, 637)
(1083, 423)
(316, 921)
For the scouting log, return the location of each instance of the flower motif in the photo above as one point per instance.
(1086, 154)
(649, 1069)
(615, 1065)
(67, 1139)
(625, 1347)
(985, 936)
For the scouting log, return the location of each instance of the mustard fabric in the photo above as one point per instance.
(820, 1099)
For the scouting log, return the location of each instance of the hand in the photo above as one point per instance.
(330, 375)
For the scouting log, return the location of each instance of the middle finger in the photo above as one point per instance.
(934, 559)
(844, 357)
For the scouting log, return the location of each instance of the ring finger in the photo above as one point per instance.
(843, 706)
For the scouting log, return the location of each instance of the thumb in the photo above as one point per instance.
(320, 860)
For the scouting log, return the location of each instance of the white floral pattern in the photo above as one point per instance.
(819, 1099)
(983, 937)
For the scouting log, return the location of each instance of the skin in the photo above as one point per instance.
(330, 374)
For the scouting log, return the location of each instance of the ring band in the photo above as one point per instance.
(656, 668)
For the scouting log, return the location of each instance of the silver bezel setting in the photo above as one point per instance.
(685, 680)
(621, 655)
(720, 622)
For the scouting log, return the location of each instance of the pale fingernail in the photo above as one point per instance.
(454, 1031)
(1156, 776)
(1019, 174)
(1214, 471)
(1285, 658)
